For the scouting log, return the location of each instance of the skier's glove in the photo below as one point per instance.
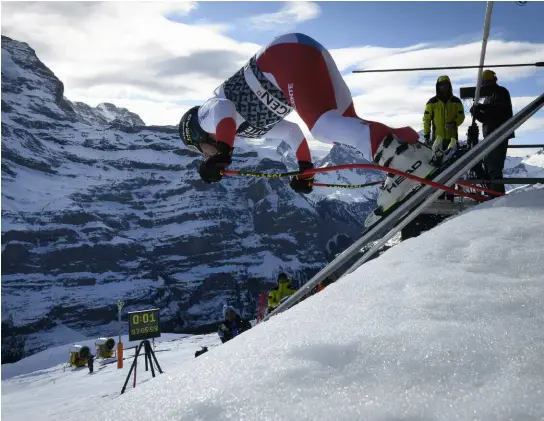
(210, 169)
(427, 138)
(222, 330)
(303, 183)
(478, 112)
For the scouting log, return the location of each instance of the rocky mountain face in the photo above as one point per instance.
(106, 113)
(530, 166)
(97, 207)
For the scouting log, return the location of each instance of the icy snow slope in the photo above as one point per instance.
(40, 388)
(445, 326)
(57, 356)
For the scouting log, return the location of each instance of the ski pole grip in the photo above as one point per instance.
(539, 64)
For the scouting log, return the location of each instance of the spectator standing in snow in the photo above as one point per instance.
(90, 363)
(495, 110)
(232, 325)
(282, 290)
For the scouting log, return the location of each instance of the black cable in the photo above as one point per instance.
(537, 64)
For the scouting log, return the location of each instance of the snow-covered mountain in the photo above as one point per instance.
(98, 207)
(105, 113)
(445, 326)
(530, 166)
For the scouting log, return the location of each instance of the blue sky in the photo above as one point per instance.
(343, 24)
(158, 59)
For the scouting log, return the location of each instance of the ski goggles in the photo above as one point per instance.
(194, 139)
(194, 147)
(189, 138)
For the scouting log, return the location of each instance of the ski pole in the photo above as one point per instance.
(342, 186)
(348, 186)
(487, 26)
(293, 173)
(363, 166)
(372, 167)
(261, 174)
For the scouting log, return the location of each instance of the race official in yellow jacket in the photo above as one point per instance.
(443, 113)
(284, 289)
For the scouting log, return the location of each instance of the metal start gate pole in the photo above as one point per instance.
(120, 305)
(522, 180)
(528, 146)
(473, 156)
(487, 25)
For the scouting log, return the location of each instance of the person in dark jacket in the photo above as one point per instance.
(495, 110)
(90, 363)
(233, 325)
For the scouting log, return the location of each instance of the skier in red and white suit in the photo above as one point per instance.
(294, 72)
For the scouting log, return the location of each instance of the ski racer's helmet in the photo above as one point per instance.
(191, 133)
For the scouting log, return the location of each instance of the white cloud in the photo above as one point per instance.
(399, 98)
(129, 54)
(356, 57)
(289, 15)
(117, 52)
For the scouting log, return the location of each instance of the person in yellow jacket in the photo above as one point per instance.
(443, 113)
(284, 289)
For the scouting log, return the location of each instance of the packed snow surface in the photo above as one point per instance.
(445, 326)
(42, 387)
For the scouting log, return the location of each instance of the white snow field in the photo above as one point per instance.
(445, 326)
(42, 387)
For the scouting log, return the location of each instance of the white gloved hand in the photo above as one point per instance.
(222, 329)
(442, 151)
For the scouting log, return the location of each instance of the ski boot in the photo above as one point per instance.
(410, 158)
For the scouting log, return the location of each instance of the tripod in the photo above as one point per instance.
(148, 353)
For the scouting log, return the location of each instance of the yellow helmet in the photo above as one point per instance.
(489, 75)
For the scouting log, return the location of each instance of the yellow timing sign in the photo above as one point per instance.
(144, 324)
